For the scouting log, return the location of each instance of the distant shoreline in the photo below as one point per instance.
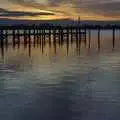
(56, 22)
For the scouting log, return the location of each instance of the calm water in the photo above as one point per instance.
(68, 82)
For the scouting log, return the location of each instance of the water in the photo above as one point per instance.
(61, 82)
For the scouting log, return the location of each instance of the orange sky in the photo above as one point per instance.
(89, 9)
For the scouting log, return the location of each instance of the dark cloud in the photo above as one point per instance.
(29, 3)
(105, 8)
(2, 10)
(22, 1)
(6, 13)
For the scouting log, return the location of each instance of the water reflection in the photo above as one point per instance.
(42, 46)
(56, 80)
(30, 42)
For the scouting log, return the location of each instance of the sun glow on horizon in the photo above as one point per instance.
(62, 11)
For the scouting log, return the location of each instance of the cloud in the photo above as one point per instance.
(106, 8)
(6, 13)
(2, 10)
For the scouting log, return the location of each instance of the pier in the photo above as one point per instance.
(39, 34)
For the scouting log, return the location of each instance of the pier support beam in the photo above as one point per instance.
(6, 38)
(2, 42)
(13, 32)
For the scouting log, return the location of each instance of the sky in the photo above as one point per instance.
(60, 9)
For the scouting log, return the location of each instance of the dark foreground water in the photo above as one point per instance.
(67, 82)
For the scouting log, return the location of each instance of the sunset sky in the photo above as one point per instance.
(58, 9)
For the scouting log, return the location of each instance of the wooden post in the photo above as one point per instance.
(76, 34)
(79, 37)
(77, 42)
(79, 33)
(44, 34)
(54, 35)
(6, 38)
(13, 32)
(1, 38)
(44, 37)
(29, 36)
(71, 35)
(34, 36)
(49, 36)
(40, 36)
(18, 36)
(25, 38)
(62, 39)
(59, 36)
(68, 35)
(37, 36)
(85, 37)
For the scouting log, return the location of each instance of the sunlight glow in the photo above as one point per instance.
(62, 10)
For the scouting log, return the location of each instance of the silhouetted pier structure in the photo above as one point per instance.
(55, 33)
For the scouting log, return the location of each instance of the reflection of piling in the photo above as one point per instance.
(98, 38)
(54, 45)
(42, 45)
(6, 38)
(67, 47)
(44, 34)
(29, 37)
(67, 37)
(40, 36)
(85, 33)
(77, 43)
(56, 33)
(89, 39)
(113, 42)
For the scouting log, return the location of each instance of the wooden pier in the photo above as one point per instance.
(55, 33)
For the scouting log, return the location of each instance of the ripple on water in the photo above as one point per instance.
(60, 86)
